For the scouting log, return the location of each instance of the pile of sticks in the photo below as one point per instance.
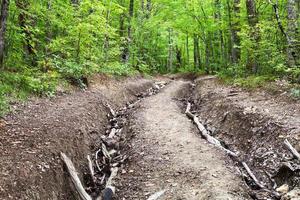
(104, 165)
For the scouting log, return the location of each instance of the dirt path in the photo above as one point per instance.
(169, 155)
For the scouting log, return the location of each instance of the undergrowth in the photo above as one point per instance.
(21, 84)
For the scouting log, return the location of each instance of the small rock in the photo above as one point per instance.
(292, 195)
(283, 189)
(214, 175)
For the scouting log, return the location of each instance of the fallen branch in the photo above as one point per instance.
(156, 195)
(252, 176)
(205, 133)
(292, 149)
(91, 169)
(96, 160)
(112, 112)
(75, 179)
(112, 133)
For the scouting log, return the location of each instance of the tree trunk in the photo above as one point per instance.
(149, 7)
(187, 50)
(252, 64)
(229, 43)
(3, 20)
(126, 52)
(235, 29)
(219, 35)
(293, 49)
(178, 57)
(24, 24)
(196, 52)
(170, 57)
(207, 54)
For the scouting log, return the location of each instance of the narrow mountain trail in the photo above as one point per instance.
(168, 154)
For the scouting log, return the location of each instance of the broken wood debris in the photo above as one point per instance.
(107, 159)
(75, 179)
(260, 185)
(292, 149)
(157, 195)
(205, 133)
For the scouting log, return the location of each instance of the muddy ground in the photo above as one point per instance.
(166, 152)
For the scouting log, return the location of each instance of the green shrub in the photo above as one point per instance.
(118, 69)
(295, 92)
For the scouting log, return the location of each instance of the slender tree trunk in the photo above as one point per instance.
(3, 20)
(207, 54)
(148, 7)
(229, 46)
(293, 49)
(187, 49)
(196, 52)
(170, 57)
(178, 57)
(24, 22)
(219, 38)
(252, 64)
(143, 6)
(236, 51)
(126, 48)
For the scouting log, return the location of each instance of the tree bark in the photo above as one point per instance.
(219, 38)
(178, 57)
(24, 24)
(252, 64)
(3, 23)
(196, 52)
(293, 49)
(170, 57)
(126, 48)
(148, 7)
(236, 51)
(187, 49)
(229, 43)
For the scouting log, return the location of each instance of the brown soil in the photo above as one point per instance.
(254, 124)
(167, 154)
(34, 133)
(166, 151)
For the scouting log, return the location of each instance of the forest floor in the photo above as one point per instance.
(166, 152)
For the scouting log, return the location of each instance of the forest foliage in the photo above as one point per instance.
(45, 42)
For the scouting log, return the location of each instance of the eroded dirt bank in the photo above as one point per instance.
(255, 125)
(168, 154)
(33, 135)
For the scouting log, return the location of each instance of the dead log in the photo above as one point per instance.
(74, 177)
(205, 133)
(252, 176)
(292, 149)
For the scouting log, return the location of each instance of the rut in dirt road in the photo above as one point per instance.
(169, 155)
